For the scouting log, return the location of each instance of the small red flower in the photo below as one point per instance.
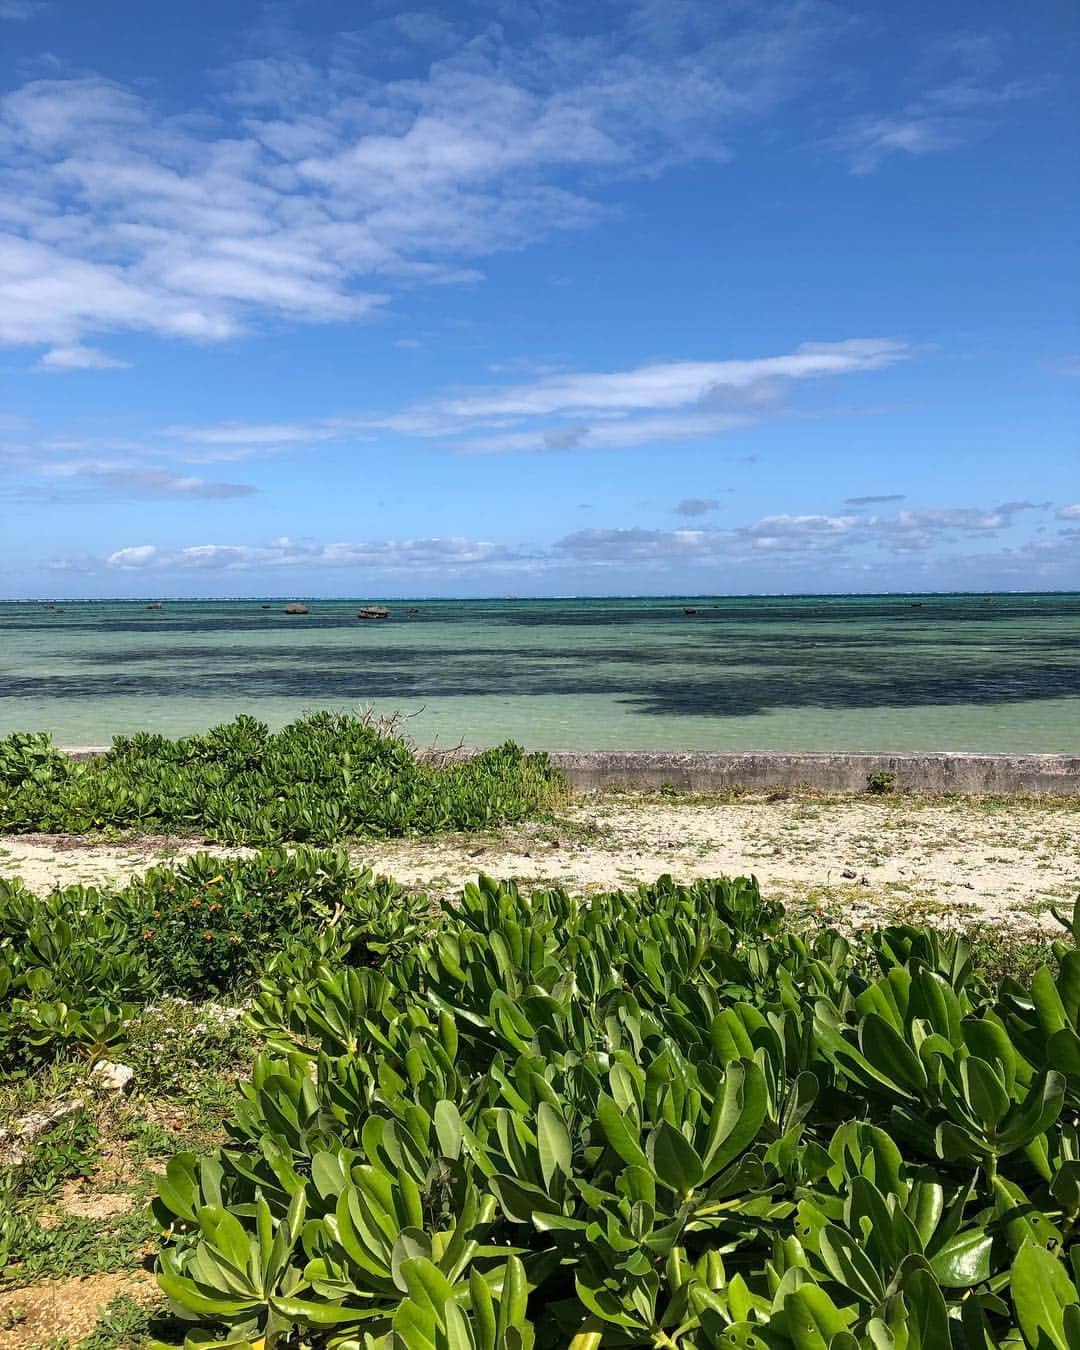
(196, 902)
(148, 934)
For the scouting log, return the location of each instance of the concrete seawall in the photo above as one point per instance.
(835, 771)
(832, 771)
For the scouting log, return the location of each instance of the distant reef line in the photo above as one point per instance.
(970, 774)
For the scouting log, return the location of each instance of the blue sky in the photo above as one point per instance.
(537, 298)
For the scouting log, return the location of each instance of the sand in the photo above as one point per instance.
(61, 1312)
(853, 856)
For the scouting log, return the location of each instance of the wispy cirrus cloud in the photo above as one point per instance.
(961, 105)
(556, 412)
(311, 192)
(648, 404)
(875, 499)
(581, 410)
(241, 434)
(664, 385)
(94, 469)
(82, 480)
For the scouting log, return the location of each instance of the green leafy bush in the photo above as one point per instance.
(655, 1118)
(658, 1118)
(320, 780)
(76, 964)
(210, 925)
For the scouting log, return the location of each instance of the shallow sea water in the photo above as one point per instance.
(934, 672)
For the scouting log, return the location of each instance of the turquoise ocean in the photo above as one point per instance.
(865, 672)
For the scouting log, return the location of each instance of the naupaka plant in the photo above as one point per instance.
(319, 780)
(653, 1118)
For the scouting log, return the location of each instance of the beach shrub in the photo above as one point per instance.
(209, 926)
(76, 965)
(319, 780)
(650, 1118)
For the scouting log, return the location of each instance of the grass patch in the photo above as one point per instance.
(73, 1245)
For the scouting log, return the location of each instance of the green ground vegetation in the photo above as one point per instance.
(670, 1116)
(322, 779)
(76, 965)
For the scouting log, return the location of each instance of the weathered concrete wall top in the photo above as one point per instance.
(833, 771)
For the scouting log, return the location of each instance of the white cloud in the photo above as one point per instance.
(136, 556)
(79, 358)
(619, 433)
(606, 548)
(1069, 512)
(780, 542)
(663, 401)
(568, 410)
(671, 384)
(557, 411)
(773, 540)
(308, 192)
(786, 537)
(798, 533)
(442, 556)
(47, 295)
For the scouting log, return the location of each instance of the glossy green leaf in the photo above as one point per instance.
(553, 1142)
(619, 1133)
(1041, 1291)
(964, 1260)
(674, 1159)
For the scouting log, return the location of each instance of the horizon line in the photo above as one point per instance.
(160, 598)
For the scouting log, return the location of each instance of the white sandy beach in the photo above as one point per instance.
(853, 857)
